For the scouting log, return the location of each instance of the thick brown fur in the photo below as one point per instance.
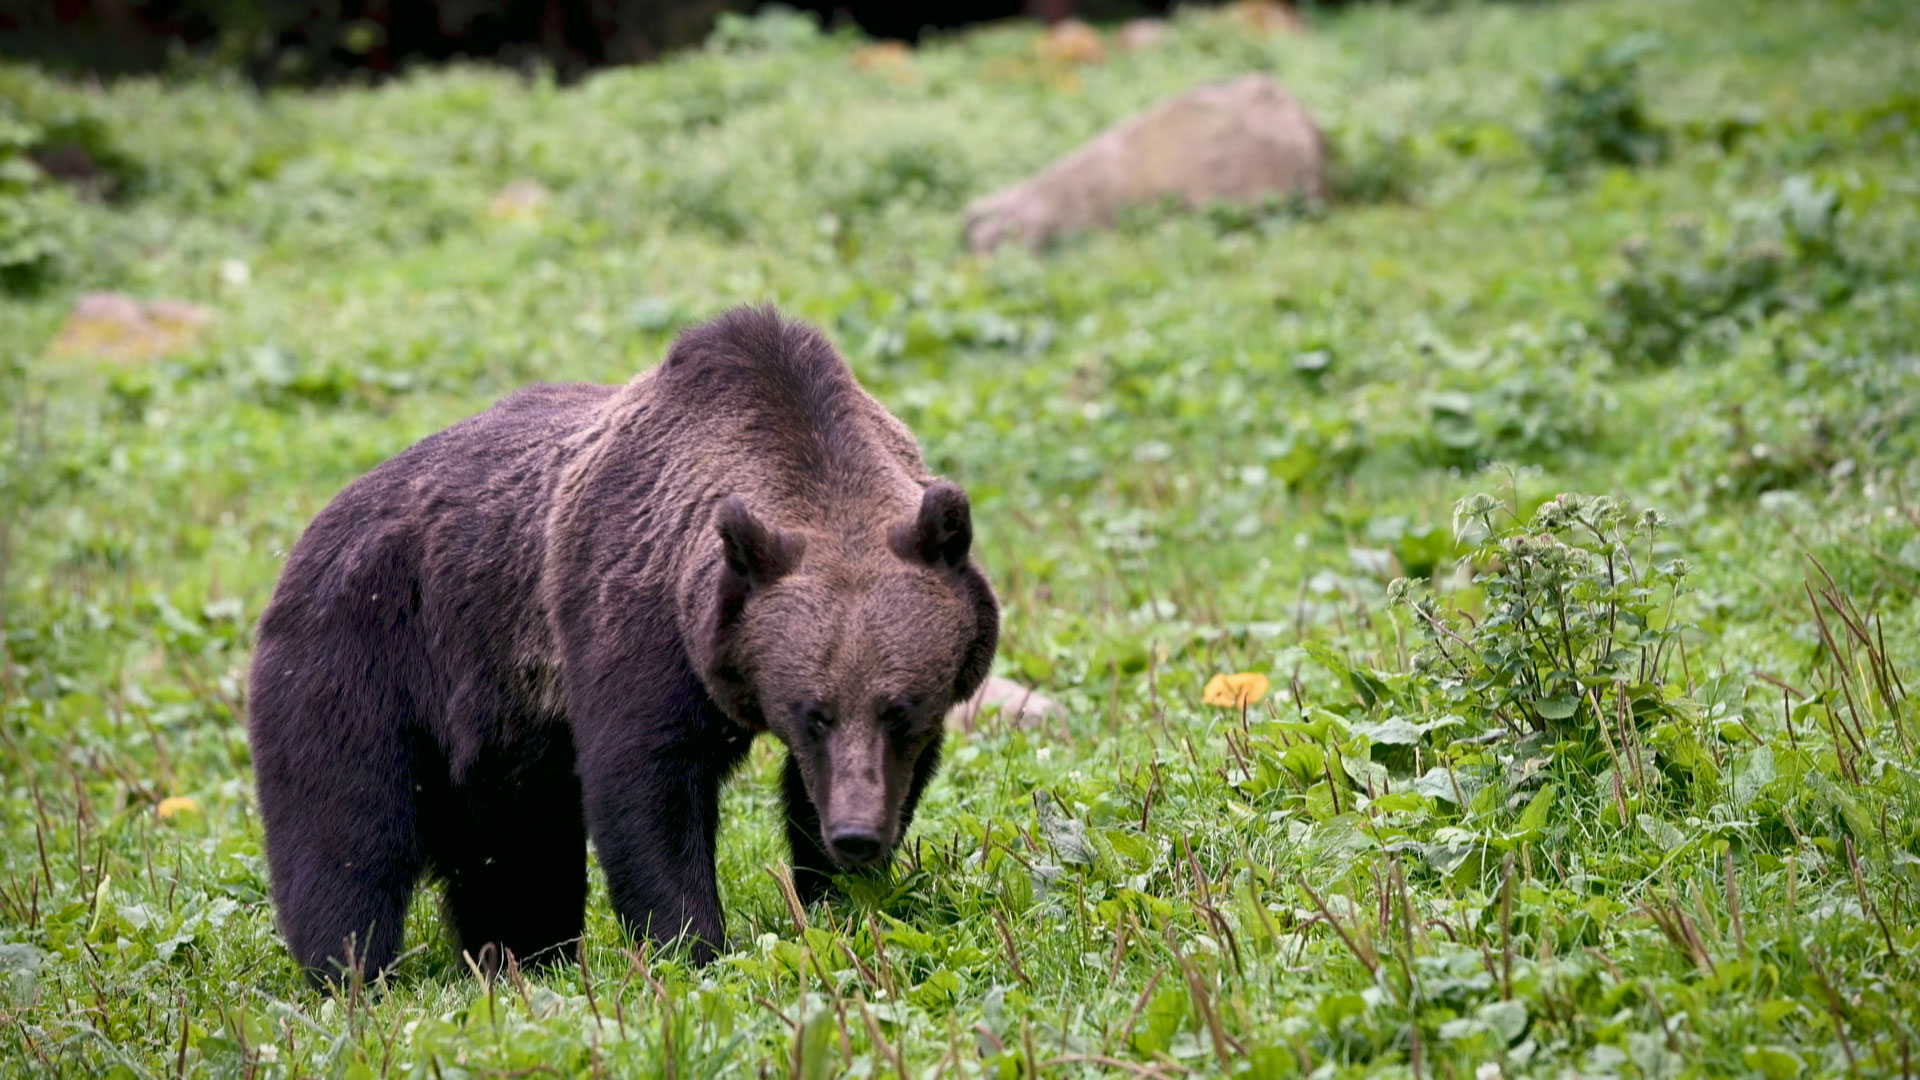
(567, 617)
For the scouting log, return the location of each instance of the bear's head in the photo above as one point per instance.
(852, 655)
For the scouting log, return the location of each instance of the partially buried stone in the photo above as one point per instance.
(1242, 141)
(125, 329)
(1268, 17)
(1017, 703)
(1139, 34)
(1071, 41)
(521, 200)
(890, 58)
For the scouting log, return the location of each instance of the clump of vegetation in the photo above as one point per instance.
(1369, 165)
(864, 180)
(1526, 403)
(775, 27)
(1689, 284)
(1578, 634)
(54, 148)
(35, 225)
(69, 139)
(1596, 115)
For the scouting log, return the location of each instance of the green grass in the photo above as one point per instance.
(1204, 443)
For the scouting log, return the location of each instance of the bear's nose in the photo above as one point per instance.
(855, 847)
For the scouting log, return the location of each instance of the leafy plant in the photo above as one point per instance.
(1778, 253)
(866, 179)
(1595, 115)
(1371, 165)
(33, 223)
(70, 139)
(1579, 631)
(773, 27)
(1529, 411)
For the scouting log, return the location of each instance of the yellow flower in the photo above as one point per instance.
(1236, 691)
(174, 804)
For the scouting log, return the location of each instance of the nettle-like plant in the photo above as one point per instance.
(1576, 637)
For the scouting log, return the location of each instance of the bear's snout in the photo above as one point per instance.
(860, 811)
(856, 847)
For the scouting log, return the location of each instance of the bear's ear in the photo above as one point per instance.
(941, 534)
(756, 555)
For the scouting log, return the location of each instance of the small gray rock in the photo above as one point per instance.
(1025, 707)
(115, 326)
(1139, 34)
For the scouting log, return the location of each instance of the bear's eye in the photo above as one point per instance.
(897, 714)
(814, 715)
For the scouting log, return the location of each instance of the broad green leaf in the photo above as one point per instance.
(1533, 820)
(1661, 831)
(1557, 708)
(1774, 1062)
(1066, 834)
(1507, 1019)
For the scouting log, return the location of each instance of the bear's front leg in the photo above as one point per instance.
(653, 810)
(813, 868)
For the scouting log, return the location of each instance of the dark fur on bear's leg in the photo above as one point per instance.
(813, 868)
(341, 832)
(651, 775)
(924, 768)
(528, 899)
(514, 855)
(656, 821)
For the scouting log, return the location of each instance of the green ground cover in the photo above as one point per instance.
(1622, 784)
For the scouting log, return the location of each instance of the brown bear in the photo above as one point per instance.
(568, 616)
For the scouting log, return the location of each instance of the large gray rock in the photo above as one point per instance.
(1237, 141)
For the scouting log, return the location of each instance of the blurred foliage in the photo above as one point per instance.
(50, 136)
(1370, 165)
(1595, 113)
(1778, 253)
(31, 216)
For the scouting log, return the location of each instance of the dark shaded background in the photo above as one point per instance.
(318, 40)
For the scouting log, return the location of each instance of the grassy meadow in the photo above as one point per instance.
(1560, 475)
